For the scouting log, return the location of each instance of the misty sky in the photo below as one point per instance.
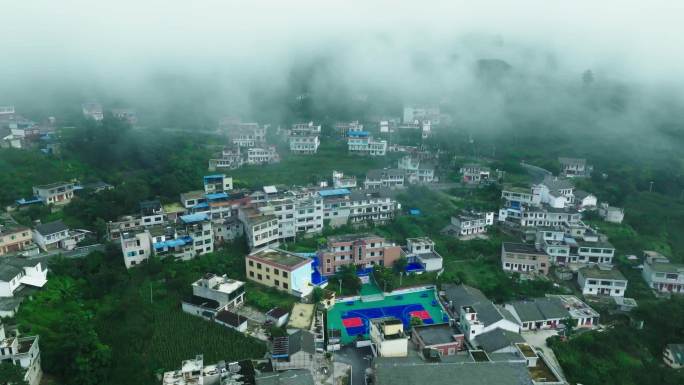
(117, 44)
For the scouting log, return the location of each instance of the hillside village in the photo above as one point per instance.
(326, 279)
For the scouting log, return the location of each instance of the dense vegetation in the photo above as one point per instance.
(100, 324)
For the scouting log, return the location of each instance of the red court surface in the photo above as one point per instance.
(422, 314)
(352, 322)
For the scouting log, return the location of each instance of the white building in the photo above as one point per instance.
(93, 111)
(362, 142)
(56, 235)
(538, 313)
(417, 171)
(261, 229)
(342, 206)
(585, 200)
(262, 155)
(304, 138)
(557, 192)
(470, 223)
(388, 338)
(15, 274)
(575, 167)
(474, 173)
(611, 213)
(413, 113)
(190, 237)
(385, 178)
(23, 352)
(661, 275)
(345, 128)
(217, 183)
(229, 293)
(194, 372)
(340, 181)
(602, 280)
(475, 313)
(136, 247)
(422, 251)
(59, 193)
(280, 269)
(245, 135)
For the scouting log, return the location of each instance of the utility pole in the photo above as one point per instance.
(150, 292)
(650, 187)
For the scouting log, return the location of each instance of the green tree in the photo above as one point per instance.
(11, 374)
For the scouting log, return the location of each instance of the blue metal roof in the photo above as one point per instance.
(334, 192)
(214, 176)
(191, 218)
(414, 211)
(361, 134)
(203, 205)
(216, 196)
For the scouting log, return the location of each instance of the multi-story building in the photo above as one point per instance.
(548, 216)
(23, 352)
(229, 293)
(260, 229)
(136, 247)
(126, 114)
(151, 214)
(345, 128)
(417, 170)
(521, 196)
(575, 167)
(361, 250)
(262, 155)
(611, 213)
(194, 372)
(280, 269)
(340, 181)
(385, 178)
(421, 255)
(661, 275)
(7, 113)
(217, 183)
(14, 238)
(413, 113)
(602, 280)
(362, 142)
(190, 237)
(56, 235)
(473, 173)
(469, 223)
(388, 337)
(342, 206)
(304, 138)
(92, 111)
(230, 158)
(556, 192)
(524, 259)
(585, 200)
(17, 273)
(244, 135)
(58, 193)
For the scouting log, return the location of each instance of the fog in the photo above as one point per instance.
(246, 57)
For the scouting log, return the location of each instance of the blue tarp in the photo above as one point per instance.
(414, 267)
(334, 192)
(203, 205)
(191, 218)
(414, 212)
(173, 243)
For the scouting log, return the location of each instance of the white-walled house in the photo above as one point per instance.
(56, 235)
(136, 247)
(23, 352)
(422, 251)
(388, 337)
(538, 313)
(585, 200)
(661, 275)
(58, 193)
(470, 223)
(611, 213)
(229, 293)
(602, 280)
(16, 272)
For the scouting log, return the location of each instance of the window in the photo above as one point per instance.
(285, 274)
(284, 285)
(251, 263)
(259, 277)
(277, 283)
(251, 274)
(259, 266)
